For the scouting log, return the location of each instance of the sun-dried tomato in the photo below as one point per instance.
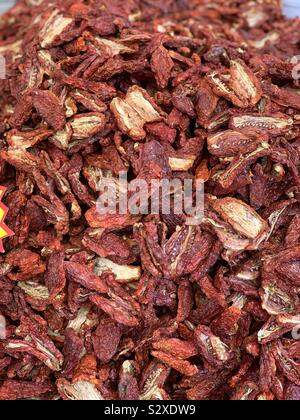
(132, 306)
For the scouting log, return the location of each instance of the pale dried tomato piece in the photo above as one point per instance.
(241, 217)
(119, 309)
(72, 351)
(86, 125)
(53, 27)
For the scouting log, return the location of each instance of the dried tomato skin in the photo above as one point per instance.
(162, 65)
(73, 347)
(55, 278)
(85, 277)
(13, 390)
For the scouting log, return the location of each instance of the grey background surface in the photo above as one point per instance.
(5, 4)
